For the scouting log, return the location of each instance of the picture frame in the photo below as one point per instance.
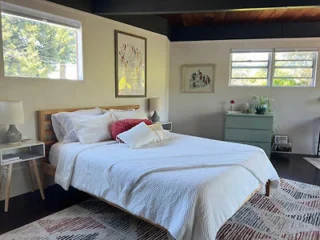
(197, 78)
(130, 65)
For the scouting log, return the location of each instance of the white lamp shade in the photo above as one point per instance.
(154, 104)
(11, 112)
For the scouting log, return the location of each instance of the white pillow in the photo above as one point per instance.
(93, 129)
(158, 129)
(117, 110)
(138, 136)
(62, 123)
(131, 114)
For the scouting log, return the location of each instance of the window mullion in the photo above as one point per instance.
(314, 69)
(271, 68)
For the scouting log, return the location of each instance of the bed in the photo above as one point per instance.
(189, 186)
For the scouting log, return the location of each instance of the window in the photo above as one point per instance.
(250, 68)
(40, 45)
(294, 68)
(279, 67)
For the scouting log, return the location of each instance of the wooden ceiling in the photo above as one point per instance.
(240, 17)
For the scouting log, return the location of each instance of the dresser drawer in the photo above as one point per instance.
(247, 135)
(249, 122)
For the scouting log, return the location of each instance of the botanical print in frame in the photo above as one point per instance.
(197, 78)
(131, 65)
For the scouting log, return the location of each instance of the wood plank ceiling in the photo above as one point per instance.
(248, 16)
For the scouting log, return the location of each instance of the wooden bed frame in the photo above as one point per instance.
(46, 135)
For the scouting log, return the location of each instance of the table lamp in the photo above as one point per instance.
(154, 106)
(11, 113)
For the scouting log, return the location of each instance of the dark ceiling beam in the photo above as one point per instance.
(106, 7)
(246, 31)
(83, 5)
(153, 23)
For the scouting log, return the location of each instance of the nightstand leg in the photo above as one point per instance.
(1, 178)
(31, 176)
(7, 189)
(37, 176)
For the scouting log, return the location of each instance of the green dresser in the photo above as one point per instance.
(251, 129)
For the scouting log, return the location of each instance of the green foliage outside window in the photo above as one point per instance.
(291, 69)
(33, 48)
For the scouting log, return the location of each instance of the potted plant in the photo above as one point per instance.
(263, 104)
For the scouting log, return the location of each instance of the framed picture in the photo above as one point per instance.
(197, 78)
(131, 65)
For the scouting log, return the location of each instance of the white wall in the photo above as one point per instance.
(98, 87)
(297, 109)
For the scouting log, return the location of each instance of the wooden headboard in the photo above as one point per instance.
(46, 133)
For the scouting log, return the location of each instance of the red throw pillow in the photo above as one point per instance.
(125, 125)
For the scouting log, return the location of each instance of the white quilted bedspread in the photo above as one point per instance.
(190, 186)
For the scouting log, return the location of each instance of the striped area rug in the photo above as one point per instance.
(292, 213)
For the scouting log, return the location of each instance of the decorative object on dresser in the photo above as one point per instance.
(262, 105)
(131, 65)
(10, 154)
(11, 113)
(197, 78)
(247, 109)
(154, 106)
(232, 102)
(249, 129)
(167, 126)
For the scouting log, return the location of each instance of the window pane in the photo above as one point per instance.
(249, 82)
(38, 49)
(249, 73)
(250, 64)
(293, 82)
(294, 63)
(293, 72)
(294, 55)
(250, 56)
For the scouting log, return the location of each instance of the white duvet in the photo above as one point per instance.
(190, 186)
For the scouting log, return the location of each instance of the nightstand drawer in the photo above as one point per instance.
(247, 135)
(251, 122)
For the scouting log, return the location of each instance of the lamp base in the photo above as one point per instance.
(13, 136)
(155, 117)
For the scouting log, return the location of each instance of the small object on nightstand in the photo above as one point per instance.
(167, 126)
(154, 106)
(11, 113)
(10, 154)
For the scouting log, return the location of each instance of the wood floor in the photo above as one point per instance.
(29, 207)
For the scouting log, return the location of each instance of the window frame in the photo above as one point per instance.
(314, 65)
(269, 51)
(48, 18)
(271, 65)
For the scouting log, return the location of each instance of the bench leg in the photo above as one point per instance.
(268, 184)
(318, 148)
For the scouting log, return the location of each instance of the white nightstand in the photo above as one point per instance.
(10, 154)
(167, 126)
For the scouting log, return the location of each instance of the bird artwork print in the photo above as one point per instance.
(198, 80)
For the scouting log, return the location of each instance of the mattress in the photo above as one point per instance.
(191, 202)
